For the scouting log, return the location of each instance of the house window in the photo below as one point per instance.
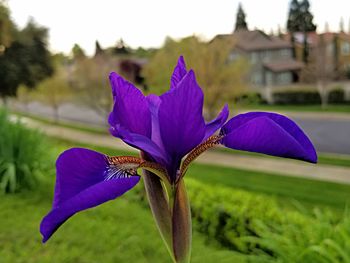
(285, 53)
(233, 56)
(284, 78)
(345, 48)
(254, 57)
(256, 78)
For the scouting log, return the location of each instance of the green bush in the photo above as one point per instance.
(296, 97)
(257, 226)
(23, 155)
(336, 96)
(307, 97)
(251, 98)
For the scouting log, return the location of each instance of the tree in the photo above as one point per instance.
(89, 80)
(241, 24)
(220, 78)
(341, 25)
(300, 20)
(26, 60)
(320, 70)
(7, 28)
(98, 50)
(121, 48)
(78, 52)
(294, 16)
(306, 24)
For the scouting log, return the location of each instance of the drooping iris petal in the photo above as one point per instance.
(84, 180)
(178, 73)
(214, 125)
(268, 133)
(181, 123)
(130, 108)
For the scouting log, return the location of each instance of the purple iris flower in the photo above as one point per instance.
(170, 132)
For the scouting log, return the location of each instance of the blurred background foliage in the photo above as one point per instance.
(23, 156)
(222, 80)
(238, 216)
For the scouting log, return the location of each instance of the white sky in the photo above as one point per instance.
(147, 22)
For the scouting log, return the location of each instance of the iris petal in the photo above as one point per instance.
(140, 142)
(130, 108)
(214, 125)
(268, 133)
(181, 123)
(154, 103)
(178, 73)
(81, 184)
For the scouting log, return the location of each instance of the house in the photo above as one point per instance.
(270, 57)
(337, 50)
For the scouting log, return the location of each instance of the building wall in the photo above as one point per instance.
(343, 54)
(258, 75)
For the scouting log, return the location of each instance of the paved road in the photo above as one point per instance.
(330, 135)
(329, 132)
(271, 165)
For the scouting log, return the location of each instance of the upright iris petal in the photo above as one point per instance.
(268, 133)
(130, 118)
(181, 123)
(130, 109)
(84, 179)
(179, 73)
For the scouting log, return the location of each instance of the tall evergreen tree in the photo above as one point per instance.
(293, 16)
(341, 25)
(306, 24)
(300, 17)
(98, 49)
(241, 24)
(300, 20)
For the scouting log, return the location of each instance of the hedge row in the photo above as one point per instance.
(294, 97)
(307, 97)
(256, 226)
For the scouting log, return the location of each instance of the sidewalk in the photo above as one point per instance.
(277, 166)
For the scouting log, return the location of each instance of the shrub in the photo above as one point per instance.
(257, 226)
(251, 98)
(296, 97)
(336, 96)
(307, 97)
(23, 155)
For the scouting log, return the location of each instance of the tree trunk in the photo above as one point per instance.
(322, 90)
(56, 116)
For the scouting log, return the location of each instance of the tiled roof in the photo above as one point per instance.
(285, 65)
(256, 40)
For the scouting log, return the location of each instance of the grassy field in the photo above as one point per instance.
(123, 230)
(329, 159)
(306, 191)
(118, 231)
(287, 189)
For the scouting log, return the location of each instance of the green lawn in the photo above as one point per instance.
(289, 188)
(329, 159)
(123, 230)
(118, 231)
